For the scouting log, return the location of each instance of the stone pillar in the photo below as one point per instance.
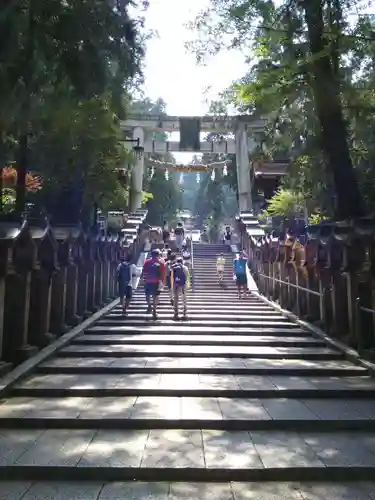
(137, 173)
(243, 169)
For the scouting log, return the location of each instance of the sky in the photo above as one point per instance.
(172, 73)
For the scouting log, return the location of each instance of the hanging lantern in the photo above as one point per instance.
(213, 175)
(225, 170)
(152, 173)
(181, 180)
(198, 177)
(166, 175)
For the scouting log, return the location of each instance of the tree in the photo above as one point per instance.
(164, 195)
(304, 61)
(79, 153)
(85, 48)
(165, 201)
(285, 203)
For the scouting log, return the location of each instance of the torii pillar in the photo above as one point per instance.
(243, 168)
(136, 186)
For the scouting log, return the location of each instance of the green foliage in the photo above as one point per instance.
(65, 68)
(285, 203)
(165, 199)
(317, 218)
(162, 196)
(310, 71)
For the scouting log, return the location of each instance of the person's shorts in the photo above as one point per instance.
(166, 236)
(125, 291)
(241, 279)
(220, 270)
(152, 289)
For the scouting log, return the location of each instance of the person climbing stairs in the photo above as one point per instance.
(236, 403)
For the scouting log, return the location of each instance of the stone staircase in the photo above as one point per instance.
(236, 403)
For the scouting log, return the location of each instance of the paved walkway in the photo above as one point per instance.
(237, 394)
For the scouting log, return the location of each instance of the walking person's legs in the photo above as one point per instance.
(127, 299)
(176, 300)
(184, 301)
(148, 297)
(155, 299)
(241, 285)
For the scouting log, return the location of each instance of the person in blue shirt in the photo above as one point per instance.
(126, 271)
(240, 269)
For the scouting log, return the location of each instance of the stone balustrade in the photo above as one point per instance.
(54, 277)
(325, 276)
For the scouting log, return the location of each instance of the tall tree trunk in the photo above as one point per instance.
(334, 133)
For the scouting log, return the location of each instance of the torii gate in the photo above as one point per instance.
(190, 128)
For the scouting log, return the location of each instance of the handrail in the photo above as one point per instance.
(312, 292)
(192, 254)
(192, 263)
(364, 309)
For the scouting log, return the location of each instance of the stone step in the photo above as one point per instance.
(206, 317)
(254, 352)
(188, 412)
(44, 419)
(185, 455)
(198, 385)
(140, 490)
(256, 323)
(180, 327)
(221, 309)
(234, 366)
(208, 301)
(192, 340)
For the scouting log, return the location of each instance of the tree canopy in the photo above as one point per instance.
(66, 69)
(164, 196)
(310, 72)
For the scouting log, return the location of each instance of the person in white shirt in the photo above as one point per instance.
(186, 255)
(166, 250)
(220, 267)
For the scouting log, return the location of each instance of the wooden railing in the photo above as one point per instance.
(52, 278)
(325, 276)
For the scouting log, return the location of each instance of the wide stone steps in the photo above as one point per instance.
(235, 403)
(96, 490)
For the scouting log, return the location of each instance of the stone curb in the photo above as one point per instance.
(29, 365)
(340, 474)
(350, 354)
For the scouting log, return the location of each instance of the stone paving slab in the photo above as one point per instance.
(196, 449)
(181, 327)
(224, 308)
(204, 322)
(195, 381)
(187, 408)
(163, 363)
(198, 340)
(223, 351)
(204, 316)
(185, 491)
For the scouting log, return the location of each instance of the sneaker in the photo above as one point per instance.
(149, 310)
(176, 317)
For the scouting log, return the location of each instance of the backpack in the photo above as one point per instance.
(154, 271)
(179, 276)
(123, 273)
